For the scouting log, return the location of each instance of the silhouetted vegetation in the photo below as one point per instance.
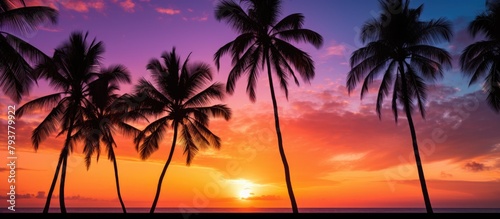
(17, 55)
(266, 41)
(179, 97)
(73, 67)
(482, 59)
(399, 48)
(103, 117)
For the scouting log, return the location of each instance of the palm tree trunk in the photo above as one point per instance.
(414, 141)
(158, 189)
(54, 180)
(115, 166)
(61, 186)
(64, 165)
(280, 140)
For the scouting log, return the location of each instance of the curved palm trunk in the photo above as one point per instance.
(420, 169)
(54, 181)
(62, 204)
(115, 166)
(158, 189)
(280, 140)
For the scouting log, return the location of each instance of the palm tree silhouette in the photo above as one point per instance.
(73, 66)
(264, 40)
(398, 45)
(482, 59)
(179, 97)
(102, 115)
(16, 55)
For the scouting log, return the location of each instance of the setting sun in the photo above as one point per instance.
(245, 193)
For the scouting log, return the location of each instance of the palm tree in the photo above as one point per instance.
(265, 41)
(482, 59)
(16, 55)
(179, 97)
(398, 46)
(74, 64)
(102, 116)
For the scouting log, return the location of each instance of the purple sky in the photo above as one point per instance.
(134, 31)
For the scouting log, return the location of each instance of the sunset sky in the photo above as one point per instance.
(340, 153)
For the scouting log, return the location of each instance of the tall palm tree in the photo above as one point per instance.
(180, 99)
(103, 117)
(74, 64)
(16, 55)
(482, 59)
(265, 42)
(399, 47)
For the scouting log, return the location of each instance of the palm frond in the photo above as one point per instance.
(203, 134)
(417, 88)
(27, 19)
(292, 21)
(492, 87)
(190, 148)
(302, 36)
(435, 32)
(252, 70)
(386, 83)
(47, 126)
(146, 89)
(216, 111)
(477, 58)
(300, 60)
(280, 72)
(377, 68)
(16, 76)
(240, 66)
(44, 102)
(395, 96)
(214, 91)
(360, 69)
(150, 137)
(199, 75)
(235, 16)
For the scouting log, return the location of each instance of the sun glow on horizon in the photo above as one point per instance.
(243, 188)
(245, 193)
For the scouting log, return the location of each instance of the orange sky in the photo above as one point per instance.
(338, 158)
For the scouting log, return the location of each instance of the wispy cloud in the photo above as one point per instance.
(476, 167)
(265, 197)
(169, 11)
(446, 175)
(200, 18)
(50, 29)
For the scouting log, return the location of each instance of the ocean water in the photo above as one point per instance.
(257, 210)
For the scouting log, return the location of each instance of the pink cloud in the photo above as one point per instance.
(169, 11)
(128, 5)
(336, 50)
(83, 6)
